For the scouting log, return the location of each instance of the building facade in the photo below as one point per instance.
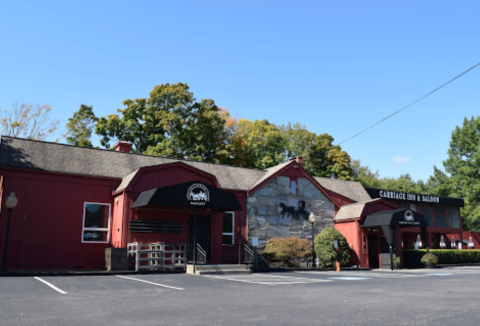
(75, 202)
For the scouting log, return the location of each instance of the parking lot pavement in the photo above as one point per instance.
(374, 298)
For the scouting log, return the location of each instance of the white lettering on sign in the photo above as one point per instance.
(198, 194)
(409, 197)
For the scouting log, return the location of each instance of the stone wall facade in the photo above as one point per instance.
(264, 211)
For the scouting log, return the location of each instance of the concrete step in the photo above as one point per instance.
(218, 269)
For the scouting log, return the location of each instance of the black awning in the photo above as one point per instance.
(390, 220)
(196, 194)
(395, 218)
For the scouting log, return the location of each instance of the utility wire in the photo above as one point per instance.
(409, 105)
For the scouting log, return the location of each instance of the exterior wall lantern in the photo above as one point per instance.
(443, 245)
(312, 219)
(11, 202)
(419, 242)
(471, 245)
(453, 244)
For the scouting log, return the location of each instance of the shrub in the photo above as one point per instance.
(324, 247)
(412, 258)
(429, 258)
(397, 262)
(287, 250)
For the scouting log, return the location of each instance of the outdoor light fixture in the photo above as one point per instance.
(419, 241)
(470, 243)
(312, 219)
(443, 245)
(453, 244)
(11, 202)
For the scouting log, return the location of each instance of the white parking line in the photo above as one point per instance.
(50, 285)
(157, 284)
(267, 279)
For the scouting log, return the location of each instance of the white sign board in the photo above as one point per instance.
(255, 241)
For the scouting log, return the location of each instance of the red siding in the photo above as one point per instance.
(46, 226)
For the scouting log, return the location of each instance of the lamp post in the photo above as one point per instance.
(312, 219)
(10, 203)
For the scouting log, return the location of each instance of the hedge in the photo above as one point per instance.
(411, 258)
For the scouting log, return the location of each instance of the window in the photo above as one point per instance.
(293, 186)
(426, 211)
(228, 227)
(96, 223)
(453, 217)
(440, 217)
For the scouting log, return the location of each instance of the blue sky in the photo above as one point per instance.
(336, 66)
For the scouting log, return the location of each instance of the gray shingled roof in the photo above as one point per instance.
(55, 157)
(350, 189)
(352, 211)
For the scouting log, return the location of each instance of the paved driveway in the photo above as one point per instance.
(448, 296)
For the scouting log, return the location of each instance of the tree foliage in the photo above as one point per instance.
(171, 123)
(322, 158)
(168, 123)
(462, 167)
(325, 250)
(28, 121)
(81, 126)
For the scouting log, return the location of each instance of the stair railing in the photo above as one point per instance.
(249, 255)
(201, 255)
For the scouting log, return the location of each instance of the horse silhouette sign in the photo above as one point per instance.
(290, 211)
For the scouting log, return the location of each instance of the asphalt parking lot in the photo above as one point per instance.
(447, 296)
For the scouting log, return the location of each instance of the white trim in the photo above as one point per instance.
(233, 229)
(97, 229)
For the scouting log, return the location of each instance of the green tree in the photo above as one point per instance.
(463, 168)
(169, 123)
(322, 158)
(81, 126)
(365, 176)
(325, 250)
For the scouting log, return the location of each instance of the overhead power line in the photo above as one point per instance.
(409, 105)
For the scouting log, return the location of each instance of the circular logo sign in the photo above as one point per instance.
(409, 216)
(198, 194)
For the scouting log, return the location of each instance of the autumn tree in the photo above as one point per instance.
(257, 144)
(28, 121)
(81, 126)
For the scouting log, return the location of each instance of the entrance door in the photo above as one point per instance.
(203, 234)
(385, 253)
(373, 251)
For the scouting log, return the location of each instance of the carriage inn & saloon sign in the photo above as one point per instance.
(413, 198)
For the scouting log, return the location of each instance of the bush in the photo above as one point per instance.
(324, 247)
(429, 258)
(287, 250)
(412, 258)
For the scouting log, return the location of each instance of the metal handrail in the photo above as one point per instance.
(201, 255)
(249, 255)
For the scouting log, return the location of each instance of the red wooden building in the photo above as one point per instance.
(75, 202)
